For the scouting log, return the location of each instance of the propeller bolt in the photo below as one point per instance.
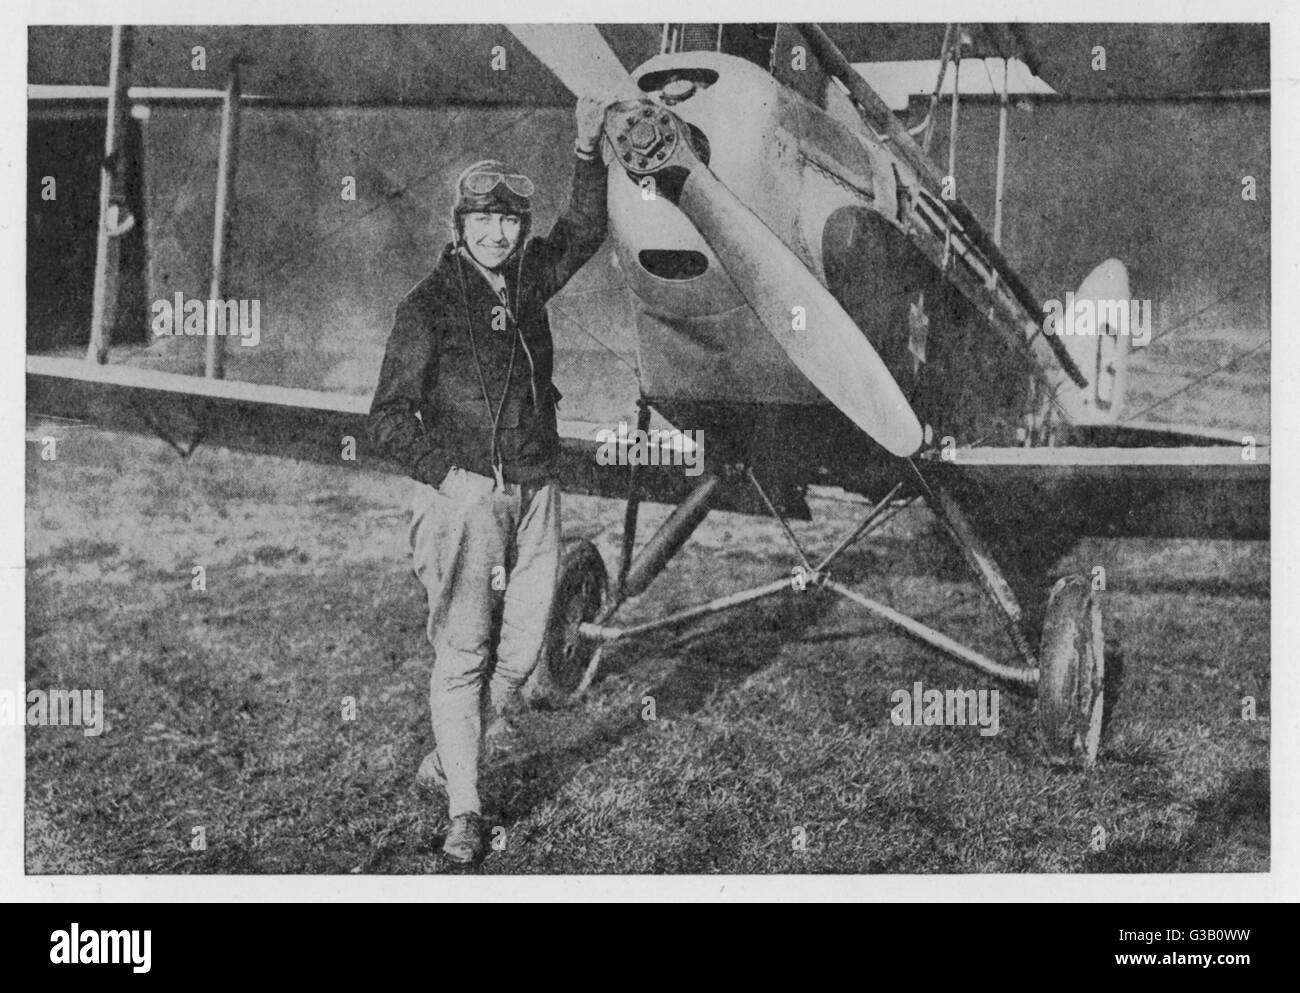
(646, 138)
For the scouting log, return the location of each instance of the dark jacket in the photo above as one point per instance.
(429, 367)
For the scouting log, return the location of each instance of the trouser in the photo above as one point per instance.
(475, 546)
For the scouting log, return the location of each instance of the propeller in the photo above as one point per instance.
(823, 342)
(580, 58)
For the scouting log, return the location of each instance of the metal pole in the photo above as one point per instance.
(956, 108)
(785, 528)
(670, 536)
(1021, 676)
(633, 503)
(952, 145)
(861, 529)
(103, 306)
(1002, 158)
(223, 219)
(982, 564)
(728, 602)
(944, 53)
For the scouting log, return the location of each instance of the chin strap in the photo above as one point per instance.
(497, 466)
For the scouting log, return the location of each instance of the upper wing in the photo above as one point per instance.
(351, 63)
(391, 65)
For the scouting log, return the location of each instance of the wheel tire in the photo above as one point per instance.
(578, 599)
(1072, 674)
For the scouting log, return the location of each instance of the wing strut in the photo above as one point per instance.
(223, 219)
(1001, 182)
(111, 180)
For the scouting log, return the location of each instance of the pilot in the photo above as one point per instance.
(466, 404)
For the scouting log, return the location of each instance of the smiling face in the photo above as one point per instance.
(491, 238)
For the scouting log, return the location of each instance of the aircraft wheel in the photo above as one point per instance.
(578, 598)
(1072, 673)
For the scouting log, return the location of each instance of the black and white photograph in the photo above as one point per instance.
(641, 449)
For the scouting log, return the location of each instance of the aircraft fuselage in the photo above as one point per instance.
(831, 191)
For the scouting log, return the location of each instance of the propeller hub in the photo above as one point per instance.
(646, 136)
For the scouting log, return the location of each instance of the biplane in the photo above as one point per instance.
(809, 292)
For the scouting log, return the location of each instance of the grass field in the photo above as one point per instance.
(224, 707)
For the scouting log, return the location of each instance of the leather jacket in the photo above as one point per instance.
(429, 411)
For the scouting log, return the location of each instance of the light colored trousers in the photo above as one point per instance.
(472, 546)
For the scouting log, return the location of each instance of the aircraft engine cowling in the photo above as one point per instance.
(699, 338)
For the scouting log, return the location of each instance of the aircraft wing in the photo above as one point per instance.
(349, 64)
(310, 425)
(1161, 484)
(387, 65)
(1129, 481)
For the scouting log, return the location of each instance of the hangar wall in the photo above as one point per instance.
(329, 272)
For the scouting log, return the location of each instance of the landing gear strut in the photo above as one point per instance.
(1067, 672)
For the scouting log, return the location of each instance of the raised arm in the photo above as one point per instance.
(580, 229)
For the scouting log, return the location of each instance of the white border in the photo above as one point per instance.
(1279, 884)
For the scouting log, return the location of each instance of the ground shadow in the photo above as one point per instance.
(1235, 817)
